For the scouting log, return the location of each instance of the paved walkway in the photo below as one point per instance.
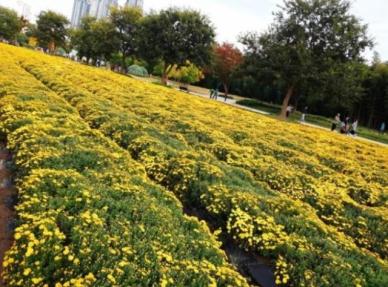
(354, 137)
(233, 103)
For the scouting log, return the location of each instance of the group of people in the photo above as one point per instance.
(346, 125)
(214, 94)
(349, 127)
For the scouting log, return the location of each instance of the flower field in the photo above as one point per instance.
(88, 216)
(104, 164)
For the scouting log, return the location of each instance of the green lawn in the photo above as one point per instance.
(313, 119)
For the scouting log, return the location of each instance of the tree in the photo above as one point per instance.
(176, 36)
(311, 43)
(82, 39)
(373, 106)
(10, 24)
(51, 30)
(95, 40)
(186, 74)
(127, 23)
(104, 41)
(227, 59)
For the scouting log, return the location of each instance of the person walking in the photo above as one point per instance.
(288, 111)
(347, 125)
(216, 93)
(382, 127)
(353, 130)
(337, 120)
(211, 93)
(305, 110)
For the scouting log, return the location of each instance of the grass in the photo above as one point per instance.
(321, 121)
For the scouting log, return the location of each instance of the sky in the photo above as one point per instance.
(231, 18)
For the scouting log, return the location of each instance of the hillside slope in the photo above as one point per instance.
(312, 202)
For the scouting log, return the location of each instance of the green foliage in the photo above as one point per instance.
(176, 36)
(87, 214)
(127, 23)
(95, 39)
(117, 59)
(187, 74)
(373, 106)
(105, 40)
(10, 24)
(278, 192)
(158, 69)
(314, 47)
(138, 71)
(82, 39)
(51, 30)
(22, 39)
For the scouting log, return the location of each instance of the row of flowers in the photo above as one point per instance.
(87, 214)
(292, 197)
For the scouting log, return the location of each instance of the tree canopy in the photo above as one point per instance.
(95, 39)
(10, 24)
(227, 58)
(176, 36)
(187, 74)
(310, 44)
(373, 105)
(51, 30)
(83, 39)
(127, 23)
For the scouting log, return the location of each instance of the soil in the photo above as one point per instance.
(258, 270)
(7, 195)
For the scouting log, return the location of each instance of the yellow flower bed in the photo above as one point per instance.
(87, 214)
(313, 202)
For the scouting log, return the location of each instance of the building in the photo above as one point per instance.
(80, 10)
(94, 8)
(135, 3)
(100, 8)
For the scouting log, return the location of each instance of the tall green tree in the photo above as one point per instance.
(104, 40)
(10, 24)
(51, 30)
(95, 39)
(373, 106)
(82, 39)
(127, 23)
(310, 44)
(176, 36)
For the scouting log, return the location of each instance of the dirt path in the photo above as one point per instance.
(7, 193)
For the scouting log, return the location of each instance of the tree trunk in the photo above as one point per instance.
(372, 113)
(226, 91)
(286, 100)
(51, 47)
(166, 70)
(296, 101)
(165, 75)
(124, 64)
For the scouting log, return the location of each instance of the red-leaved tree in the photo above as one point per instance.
(227, 59)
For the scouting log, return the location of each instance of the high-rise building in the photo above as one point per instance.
(100, 8)
(80, 10)
(135, 3)
(94, 8)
